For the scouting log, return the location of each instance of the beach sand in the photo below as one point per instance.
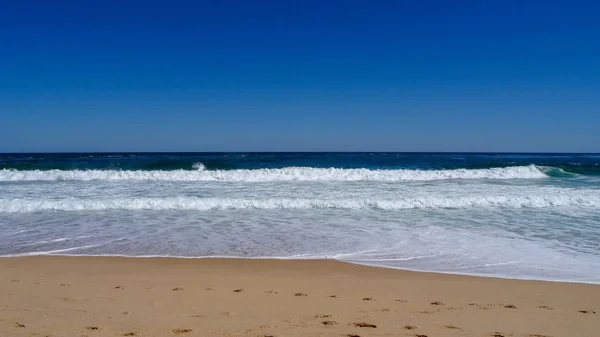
(104, 296)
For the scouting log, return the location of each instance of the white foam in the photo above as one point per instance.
(53, 252)
(199, 166)
(56, 240)
(205, 204)
(283, 174)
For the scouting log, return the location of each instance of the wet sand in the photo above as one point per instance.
(102, 296)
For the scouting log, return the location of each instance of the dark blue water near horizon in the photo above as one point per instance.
(578, 163)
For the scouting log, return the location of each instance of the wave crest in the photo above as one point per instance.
(199, 166)
(282, 174)
(206, 204)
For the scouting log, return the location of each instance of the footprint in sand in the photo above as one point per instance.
(479, 306)
(333, 296)
(19, 325)
(368, 299)
(510, 306)
(130, 334)
(322, 316)
(271, 292)
(65, 285)
(119, 287)
(209, 289)
(329, 322)
(364, 325)
(452, 327)
(437, 303)
(352, 335)
(587, 312)
(410, 327)
(401, 301)
(181, 331)
(300, 294)
(91, 328)
(545, 307)
(177, 289)
(238, 290)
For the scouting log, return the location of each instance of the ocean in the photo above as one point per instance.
(525, 216)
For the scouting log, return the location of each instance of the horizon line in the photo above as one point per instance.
(305, 152)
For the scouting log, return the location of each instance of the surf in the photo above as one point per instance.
(207, 204)
(277, 174)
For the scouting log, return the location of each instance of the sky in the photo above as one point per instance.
(224, 75)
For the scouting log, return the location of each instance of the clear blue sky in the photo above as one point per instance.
(222, 75)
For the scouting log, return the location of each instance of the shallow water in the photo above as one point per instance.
(509, 215)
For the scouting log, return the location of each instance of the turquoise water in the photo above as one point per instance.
(510, 215)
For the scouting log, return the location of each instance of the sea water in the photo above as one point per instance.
(530, 216)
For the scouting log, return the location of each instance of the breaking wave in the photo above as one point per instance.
(282, 174)
(206, 204)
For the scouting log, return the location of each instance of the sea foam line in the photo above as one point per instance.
(206, 204)
(52, 252)
(281, 174)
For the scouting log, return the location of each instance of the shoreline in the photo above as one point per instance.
(268, 258)
(117, 296)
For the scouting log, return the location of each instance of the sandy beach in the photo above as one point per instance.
(102, 296)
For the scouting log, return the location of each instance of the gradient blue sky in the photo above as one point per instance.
(221, 75)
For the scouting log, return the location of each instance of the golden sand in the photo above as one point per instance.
(98, 296)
